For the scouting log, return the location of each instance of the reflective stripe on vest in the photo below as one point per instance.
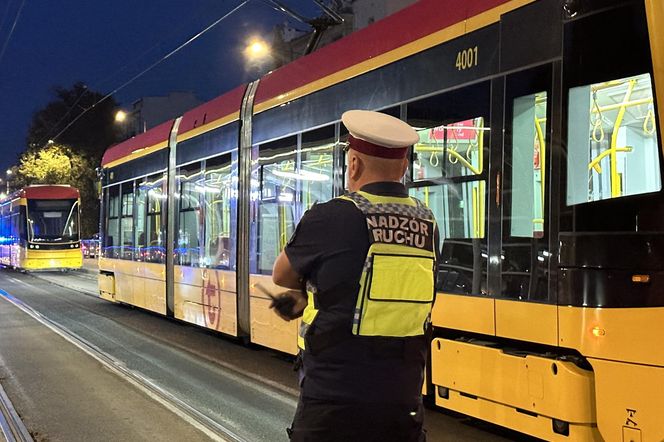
(308, 315)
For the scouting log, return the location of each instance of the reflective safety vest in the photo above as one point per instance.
(397, 283)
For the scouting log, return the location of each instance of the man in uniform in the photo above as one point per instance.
(366, 261)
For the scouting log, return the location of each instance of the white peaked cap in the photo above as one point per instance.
(383, 131)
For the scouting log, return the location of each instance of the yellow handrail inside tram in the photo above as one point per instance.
(451, 153)
(540, 137)
(594, 164)
(615, 183)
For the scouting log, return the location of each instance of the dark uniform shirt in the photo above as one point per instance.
(328, 249)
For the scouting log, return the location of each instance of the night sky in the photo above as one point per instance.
(105, 43)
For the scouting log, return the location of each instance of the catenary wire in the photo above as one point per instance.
(152, 66)
(108, 78)
(11, 31)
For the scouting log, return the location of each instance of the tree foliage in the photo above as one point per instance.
(90, 135)
(58, 164)
(81, 128)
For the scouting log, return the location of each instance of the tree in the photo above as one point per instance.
(65, 149)
(90, 135)
(58, 164)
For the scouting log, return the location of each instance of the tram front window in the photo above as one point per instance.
(53, 221)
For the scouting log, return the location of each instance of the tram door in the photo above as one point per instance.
(449, 172)
(523, 293)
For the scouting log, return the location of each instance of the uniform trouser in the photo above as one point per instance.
(323, 421)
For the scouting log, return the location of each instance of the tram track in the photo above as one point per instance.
(197, 388)
(11, 425)
(225, 387)
(192, 416)
(293, 392)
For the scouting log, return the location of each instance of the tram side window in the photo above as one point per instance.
(612, 140)
(219, 187)
(15, 223)
(127, 221)
(154, 231)
(111, 240)
(454, 140)
(188, 250)
(3, 232)
(139, 221)
(316, 167)
(280, 181)
(525, 243)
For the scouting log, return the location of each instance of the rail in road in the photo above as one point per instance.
(11, 425)
(227, 391)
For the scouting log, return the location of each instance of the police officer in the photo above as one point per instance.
(366, 262)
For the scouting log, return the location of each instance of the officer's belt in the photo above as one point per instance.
(378, 347)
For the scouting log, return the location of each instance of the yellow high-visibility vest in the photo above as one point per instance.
(397, 283)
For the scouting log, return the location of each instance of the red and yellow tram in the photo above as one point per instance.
(39, 228)
(539, 153)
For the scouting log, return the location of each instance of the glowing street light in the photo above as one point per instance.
(120, 116)
(257, 49)
(9, 173)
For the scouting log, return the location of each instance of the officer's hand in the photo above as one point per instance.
(289, 305)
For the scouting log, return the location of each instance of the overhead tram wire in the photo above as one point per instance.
(152, 66)
(319, 24)
(181, 25)
(11, 31)
(108, 78)
(5, 15)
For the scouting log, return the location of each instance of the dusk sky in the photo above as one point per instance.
(105, 43)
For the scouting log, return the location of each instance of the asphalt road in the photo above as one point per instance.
(64, 394)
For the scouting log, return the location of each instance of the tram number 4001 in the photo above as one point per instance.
(466, 59)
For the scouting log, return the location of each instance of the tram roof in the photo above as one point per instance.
(155, 138)
(45, 191)
(329, 65)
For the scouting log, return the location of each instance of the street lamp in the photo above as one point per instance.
(256, 53)
(9, 173)
(120, 116)
(257, 49)
(121, 120)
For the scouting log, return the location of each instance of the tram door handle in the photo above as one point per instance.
(498, 189)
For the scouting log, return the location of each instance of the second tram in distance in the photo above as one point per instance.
(39, 229)
(539, 153)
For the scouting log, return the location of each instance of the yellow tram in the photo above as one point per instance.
(39, 228)
(539, 153)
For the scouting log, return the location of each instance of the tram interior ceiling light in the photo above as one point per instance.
(303, 175)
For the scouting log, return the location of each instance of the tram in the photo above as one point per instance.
(39, 229)
(539, 153)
